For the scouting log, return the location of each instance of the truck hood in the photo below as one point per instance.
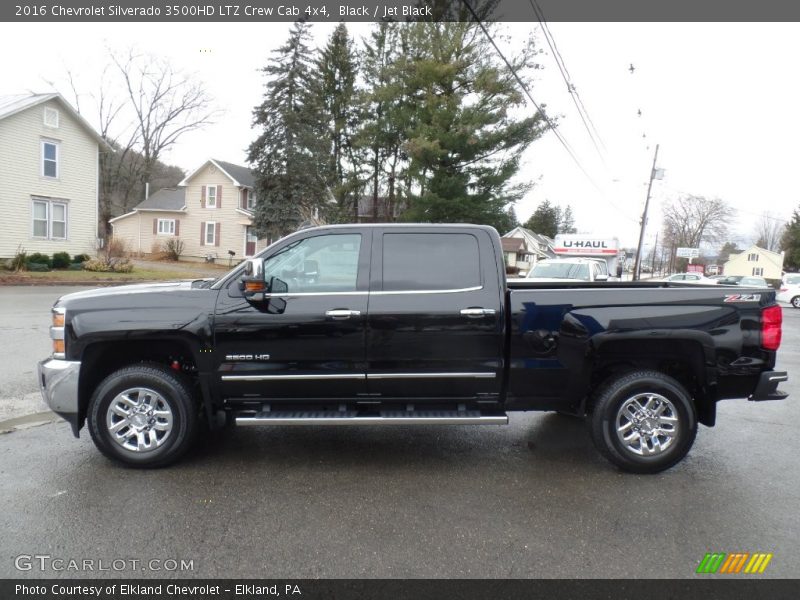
(169, 310)
(118, 290)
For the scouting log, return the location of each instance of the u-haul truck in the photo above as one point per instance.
(588, 246)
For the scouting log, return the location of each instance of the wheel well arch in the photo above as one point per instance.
(685, 360)
(102, 358)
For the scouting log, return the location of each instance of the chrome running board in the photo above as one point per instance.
(395, 417)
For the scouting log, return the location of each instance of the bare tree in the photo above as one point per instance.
(692, 220)
(768, 231)
(156, 106)
(167, 103)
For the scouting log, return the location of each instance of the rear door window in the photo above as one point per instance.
(430, 262)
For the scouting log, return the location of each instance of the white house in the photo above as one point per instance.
(755, 261)
(48, 176)
(534, 247)
(211, 212)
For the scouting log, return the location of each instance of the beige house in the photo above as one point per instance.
(211, 212)
(48, 176)
(757, 262)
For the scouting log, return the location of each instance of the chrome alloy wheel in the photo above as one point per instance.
(647, 424)
(139, 419)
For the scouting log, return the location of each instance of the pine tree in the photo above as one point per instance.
(383, 116)
(287, 156)
(337, 92)
(545, 219)
(790, 243)
(728, 248)
(464, 144)
(567, 222)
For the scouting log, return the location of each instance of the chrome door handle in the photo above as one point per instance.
(477, 313)
(342, 313)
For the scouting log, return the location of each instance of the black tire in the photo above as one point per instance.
(609, 407)
(795, 302)
(173, 389)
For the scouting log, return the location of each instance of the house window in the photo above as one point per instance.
(50, 117)
(251, 200)
(752, 257)
(211, 200)
(49, 220)
(758, 271)
(166, 226)
(211, 230)
(49, 158)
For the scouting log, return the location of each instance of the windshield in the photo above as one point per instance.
(792, 279)
(560, 270)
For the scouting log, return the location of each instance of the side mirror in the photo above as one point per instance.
(254, 287)
(253, 282)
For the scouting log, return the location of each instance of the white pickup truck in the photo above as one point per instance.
(569, 269)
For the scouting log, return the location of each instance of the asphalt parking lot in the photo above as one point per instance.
(531, 499)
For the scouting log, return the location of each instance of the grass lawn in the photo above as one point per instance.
(6, 277)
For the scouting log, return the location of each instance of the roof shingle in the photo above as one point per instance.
(164, 199)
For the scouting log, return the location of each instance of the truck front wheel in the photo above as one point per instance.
(643, 422)
(143, 415)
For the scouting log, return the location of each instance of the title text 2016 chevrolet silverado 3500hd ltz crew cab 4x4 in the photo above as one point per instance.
(405, 324)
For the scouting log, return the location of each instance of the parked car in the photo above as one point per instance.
(730, 279)
(753, 282)
(791, 278)
(360, 324)
(569, 269)
(790, 294)
(689, 278)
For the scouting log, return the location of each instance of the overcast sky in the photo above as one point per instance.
(721, 99)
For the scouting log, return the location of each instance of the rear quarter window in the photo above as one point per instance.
(430, 261)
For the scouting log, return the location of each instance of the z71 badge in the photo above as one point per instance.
(742, 297)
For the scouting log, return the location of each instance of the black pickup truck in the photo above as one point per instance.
(410, 325)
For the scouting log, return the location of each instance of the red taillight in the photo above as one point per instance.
(784, 290)
(771, 319)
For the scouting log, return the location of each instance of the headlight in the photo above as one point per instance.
(57, 333)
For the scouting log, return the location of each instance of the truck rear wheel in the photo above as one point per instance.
(644, 422)
(143, 415)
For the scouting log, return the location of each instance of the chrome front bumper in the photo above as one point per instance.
(58, 382)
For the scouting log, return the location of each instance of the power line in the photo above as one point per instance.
(542, 112)
(528, 94)
(573, 92)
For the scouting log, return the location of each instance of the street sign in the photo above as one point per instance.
(688, 252)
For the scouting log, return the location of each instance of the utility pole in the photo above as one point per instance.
(637, 266)
(653, 262)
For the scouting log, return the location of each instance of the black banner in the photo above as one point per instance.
(398, 589)
(396, 10)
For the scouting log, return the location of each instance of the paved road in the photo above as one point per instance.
(25, 338)
(532, 499)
